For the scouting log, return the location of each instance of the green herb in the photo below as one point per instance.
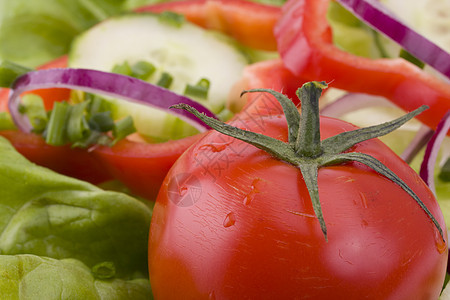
(55, 133)
(165, 80)
(411, 58)
(171, 18)
(200, 90)
(142, 70)
(444, 174)
(123, 128)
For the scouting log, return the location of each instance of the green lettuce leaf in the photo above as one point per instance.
(33, 277)
(34, 32)
(50, 215)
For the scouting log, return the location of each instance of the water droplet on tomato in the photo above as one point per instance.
(253, 191)
(248, 199)
(230, 219)
(212, 296)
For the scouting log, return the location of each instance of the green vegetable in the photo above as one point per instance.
(33, 277)
(34, 32)
(78, 225)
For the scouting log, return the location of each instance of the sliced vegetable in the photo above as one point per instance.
(93, 81)
(305, 44)
(250, 23)
(378, 16)
(431, 152)
(181, 54)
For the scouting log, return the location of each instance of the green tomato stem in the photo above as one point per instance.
(307, 152)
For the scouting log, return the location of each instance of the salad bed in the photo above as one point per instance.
(223, 196)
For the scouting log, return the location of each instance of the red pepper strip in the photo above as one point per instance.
(305, 43)
(266, 74)
(248, 22)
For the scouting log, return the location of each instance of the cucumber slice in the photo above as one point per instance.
(185, 51)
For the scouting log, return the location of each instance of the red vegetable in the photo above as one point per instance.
(233, 222)
(378, 16)
(248, 22)
(305, 44)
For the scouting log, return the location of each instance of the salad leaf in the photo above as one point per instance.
(34, 32)
(50, 215)
(33, 277)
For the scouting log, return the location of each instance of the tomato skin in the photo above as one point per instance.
(232, 222)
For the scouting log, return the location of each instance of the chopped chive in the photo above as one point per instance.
(90, 139)
(123, 128)
(56, 128)
(123, 69)
(6, 121)
(200, 90)
(171, 18)
(97, 104)
(9, 71)
(142, 70)
(77, 126)
(444, 174)
(101, 121)
(165, 80)
(33, 106)
(411, 58)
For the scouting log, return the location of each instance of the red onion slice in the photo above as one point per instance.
(380, 18)
(104, 83)
(431, 152)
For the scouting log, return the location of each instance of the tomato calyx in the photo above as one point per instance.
(305, 149)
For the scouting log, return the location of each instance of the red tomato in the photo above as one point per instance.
(233, 222)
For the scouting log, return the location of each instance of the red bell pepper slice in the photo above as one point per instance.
(248, 22)
(142, 167)
(305, 43)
